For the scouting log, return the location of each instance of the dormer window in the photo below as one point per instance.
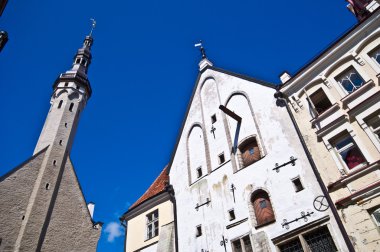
(350, 80)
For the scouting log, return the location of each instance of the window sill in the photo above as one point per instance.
(265, 224)
(357, 173)
(148, 239)
(358, 92)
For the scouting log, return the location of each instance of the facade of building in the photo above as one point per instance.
(241, 177)
(149, 221)
(335, 101)
(42, 207)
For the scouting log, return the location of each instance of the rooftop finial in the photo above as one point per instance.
(93, 25)
(203, 51)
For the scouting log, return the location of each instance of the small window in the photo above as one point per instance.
(66, 84)
(350, 80)
(375, 55)
(213, 118)
(78, 87)
(65, 125)
(242, 245)
(60, 142)
(60, 104)
(373, 122)
(77, 61)
(54, 162)
(199, 172)
(251, 151)
(47, 186)
(23, 217)
(84, 62)
(297, 184)
(198, 231)
(222, 159)
(348, 151)
(152, 224)
(376, 216)
(320, 101)
(263, 204)
(71, 107)
(231, 214)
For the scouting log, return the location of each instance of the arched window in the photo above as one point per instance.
(60, 104)
(249, 152)
(262, 208)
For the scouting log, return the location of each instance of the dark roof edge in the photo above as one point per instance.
(330, 46)
(22, 164)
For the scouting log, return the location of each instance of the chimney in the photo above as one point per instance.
(284, 77)
(91, 207)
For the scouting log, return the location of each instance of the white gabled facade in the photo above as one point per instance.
(208, 186)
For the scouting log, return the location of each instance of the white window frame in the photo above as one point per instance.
(154, 222)
(338, 78)
(346, 148)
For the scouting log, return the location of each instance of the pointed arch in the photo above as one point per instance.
(196, 148)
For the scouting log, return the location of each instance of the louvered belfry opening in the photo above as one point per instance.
(262, 208)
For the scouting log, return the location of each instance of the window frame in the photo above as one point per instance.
(375, 51)
(241, 240)
(154, 222)
(375, 210)
(370, 120)
(347, 147)
(338, 77)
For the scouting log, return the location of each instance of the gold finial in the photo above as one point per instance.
(93, 21)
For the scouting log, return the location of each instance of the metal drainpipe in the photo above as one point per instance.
(280, 96)
(170, 190)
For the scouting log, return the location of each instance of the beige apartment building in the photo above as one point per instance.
(335, 101)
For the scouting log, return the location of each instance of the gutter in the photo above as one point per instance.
(280, 97)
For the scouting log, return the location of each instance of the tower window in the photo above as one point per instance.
(54, 162)
(297, 184)
(23, 217)
(199, 172)
(231, 214)
(222, 159)
(213, 118)
(60, 104)
(47, 186)
(71, 107)
(77, 61)
(66, 84)
(65, 125)
(60, 142)
(77, 87)
(84, 62)
(198, 231)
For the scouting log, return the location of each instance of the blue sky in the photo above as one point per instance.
(142, 74)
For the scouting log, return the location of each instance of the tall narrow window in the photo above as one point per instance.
(348, 151)
(320, 101)
(249, 151)
(222, 159)
(199, 172)
(71, 107)
(152, 224)
(262, 208)
(350, 80)
(213, 118)
(198, 231)
(60, 104)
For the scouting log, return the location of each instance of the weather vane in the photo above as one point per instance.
(200, 45)
(93, 25)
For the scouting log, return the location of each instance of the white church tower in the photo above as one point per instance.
(42, 207)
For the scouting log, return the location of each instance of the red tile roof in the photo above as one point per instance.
(157, 187)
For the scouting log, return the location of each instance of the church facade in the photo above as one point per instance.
(42, 207)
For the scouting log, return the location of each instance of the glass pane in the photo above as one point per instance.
(352, 157)
(357, 80)
(344, 142)
(376, 215)
(263, 204)
(247, 244)
(237, 246)
(347, 85)
(292, 246)
(320, 240)
(377, 57)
